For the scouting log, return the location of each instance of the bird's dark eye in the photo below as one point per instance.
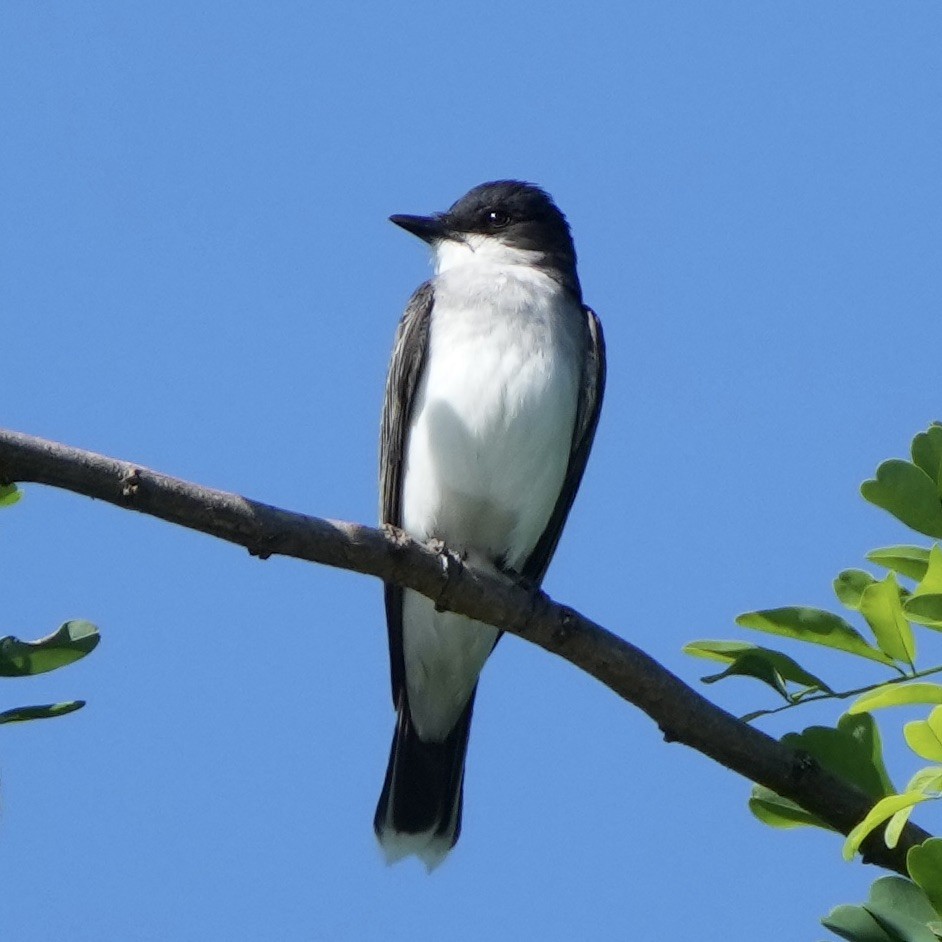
(497, 219)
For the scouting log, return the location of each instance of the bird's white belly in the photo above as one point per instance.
(486, 457)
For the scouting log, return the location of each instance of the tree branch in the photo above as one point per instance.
(389, 554)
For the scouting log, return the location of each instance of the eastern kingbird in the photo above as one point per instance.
(492, 401)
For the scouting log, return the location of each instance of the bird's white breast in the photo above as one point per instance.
(487, 451)
(492, 424)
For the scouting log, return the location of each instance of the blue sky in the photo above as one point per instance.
(197, 274)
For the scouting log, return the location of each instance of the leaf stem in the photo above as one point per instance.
(841, 694)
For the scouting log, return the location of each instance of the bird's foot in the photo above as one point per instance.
(452, 563)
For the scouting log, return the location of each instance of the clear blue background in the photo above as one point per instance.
(196, 274)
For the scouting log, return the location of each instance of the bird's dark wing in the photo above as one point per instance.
(408, 358)
(587, 419)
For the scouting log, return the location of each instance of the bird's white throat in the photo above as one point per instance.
(479, 250)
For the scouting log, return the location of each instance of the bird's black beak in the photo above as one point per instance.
(428, 228)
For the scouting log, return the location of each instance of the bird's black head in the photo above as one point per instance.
(516, 214)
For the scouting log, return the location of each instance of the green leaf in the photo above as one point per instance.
(880, 605)
(9, 495)
(714, 650)
(883, 809)
(901, 907)
(925, 867)
(815, 626)
(866, 734)
(850, 584)
(750, 665)
(852, 751)
(908, 493)
(751, 660)
(925, 604)
(931, 581)
(70, 642)
(924, 737)
(856, 924)
(924, 610)
(778, 812)
(894, 827)
(21, 714)
(897, 911)
(909, 561)
(896, 695)
(927, 453)
(927, 780)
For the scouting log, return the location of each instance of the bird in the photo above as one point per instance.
(491, 405)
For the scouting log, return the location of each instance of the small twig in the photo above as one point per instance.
(842, 694)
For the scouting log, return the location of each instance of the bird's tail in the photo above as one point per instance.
(419, 810)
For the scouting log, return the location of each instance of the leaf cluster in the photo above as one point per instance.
(899, 612)
(70, 642)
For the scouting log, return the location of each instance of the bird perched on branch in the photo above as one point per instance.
(492, 401)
